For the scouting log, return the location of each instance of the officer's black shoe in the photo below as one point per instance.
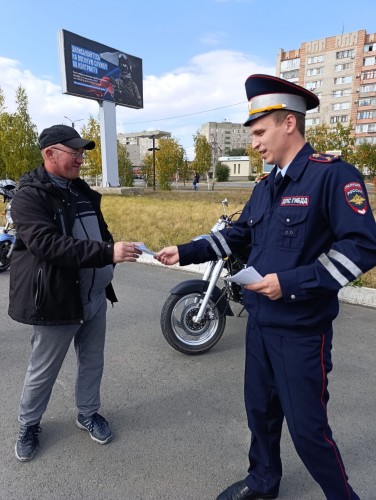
(240, 491)
(27, 442)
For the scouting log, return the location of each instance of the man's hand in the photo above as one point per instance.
(268, 286)
(126, 251)
(168, 255)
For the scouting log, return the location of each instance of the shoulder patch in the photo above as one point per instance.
(355, 197)
(324, 158)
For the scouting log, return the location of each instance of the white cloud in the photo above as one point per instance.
(210, 81)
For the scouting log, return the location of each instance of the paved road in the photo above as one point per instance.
(179, 423)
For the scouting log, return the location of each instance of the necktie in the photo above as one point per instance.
(278, 179)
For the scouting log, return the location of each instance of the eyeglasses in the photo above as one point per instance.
(75, 156)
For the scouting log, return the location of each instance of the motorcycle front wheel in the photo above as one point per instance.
(4, 259)
(182, 332)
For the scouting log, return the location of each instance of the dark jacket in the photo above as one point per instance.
(44, 277)
(317, 232)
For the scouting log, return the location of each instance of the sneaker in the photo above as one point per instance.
(97, 426)
(27, 442)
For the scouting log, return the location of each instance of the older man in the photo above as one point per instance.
(61, 273)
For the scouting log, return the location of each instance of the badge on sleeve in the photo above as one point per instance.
(355, 197)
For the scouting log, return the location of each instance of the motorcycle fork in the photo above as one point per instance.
(214, 272)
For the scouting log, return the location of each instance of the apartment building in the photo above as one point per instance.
(341, 70)
(225, 136)
(138, 144)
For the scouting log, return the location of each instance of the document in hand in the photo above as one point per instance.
(145, 250)
(245, 276)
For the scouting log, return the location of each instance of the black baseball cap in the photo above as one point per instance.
(62, 134)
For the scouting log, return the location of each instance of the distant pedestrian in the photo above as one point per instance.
(196, 180)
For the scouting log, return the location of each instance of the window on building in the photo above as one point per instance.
(342, 54)
(366, 128)
(315, 71)
(312, 121)
(314, 85)
(290, 63)
(369, 140)
(315, 59)
(363, 115)
(371, 101)
(315, 110)
(234, 168)
(341, 93)
(370, 47)
(371, 87)
(369, 75)
(339, 119)
(342, 80)
(343, 66)
(340, 105)
(369, 61)
(290, 75)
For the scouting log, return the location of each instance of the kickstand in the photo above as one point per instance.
(238, 315)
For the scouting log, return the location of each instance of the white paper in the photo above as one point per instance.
(245, 276)
(145, 250)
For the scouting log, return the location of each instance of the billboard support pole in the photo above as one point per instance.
(110, 167)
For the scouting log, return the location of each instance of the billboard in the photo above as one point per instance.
(95, 71)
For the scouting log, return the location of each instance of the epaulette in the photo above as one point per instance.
(324, 158)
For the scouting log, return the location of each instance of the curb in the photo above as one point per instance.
(357, 295)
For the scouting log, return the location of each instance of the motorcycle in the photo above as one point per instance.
(8, 232)
(193, 317)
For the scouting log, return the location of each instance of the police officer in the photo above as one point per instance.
(312, 231)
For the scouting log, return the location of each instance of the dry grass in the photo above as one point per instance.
(161, 219)
(168, 218)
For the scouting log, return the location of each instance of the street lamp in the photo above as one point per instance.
(73, 121)
(154, 149)
(154, 136)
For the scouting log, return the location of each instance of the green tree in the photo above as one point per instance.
(168, 161)
(326, 138)
(125, 166)
(255, 160)
(222, 172)
(237, 152)
(147, 169)
(203, 154)
(365, 158)
(93, 162)
(19, 149)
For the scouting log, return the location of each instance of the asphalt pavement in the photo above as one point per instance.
(179, 421)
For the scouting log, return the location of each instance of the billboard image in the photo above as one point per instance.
(95, 71)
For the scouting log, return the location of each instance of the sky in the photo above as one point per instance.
(196, 54)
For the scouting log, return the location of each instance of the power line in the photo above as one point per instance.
(183, 116)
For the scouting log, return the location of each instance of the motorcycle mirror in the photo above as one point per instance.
(225, 202)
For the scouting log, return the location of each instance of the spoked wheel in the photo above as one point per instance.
(4, 259)
(182, 332)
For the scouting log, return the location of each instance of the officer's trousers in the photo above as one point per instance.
(286, 376)
(49, 346)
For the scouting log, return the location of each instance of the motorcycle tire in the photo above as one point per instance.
(182, 333)
(4, 260)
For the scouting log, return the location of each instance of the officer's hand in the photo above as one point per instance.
(168, 255)
(126, 251)
(268, 286)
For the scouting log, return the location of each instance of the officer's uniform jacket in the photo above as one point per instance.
(317, 232)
